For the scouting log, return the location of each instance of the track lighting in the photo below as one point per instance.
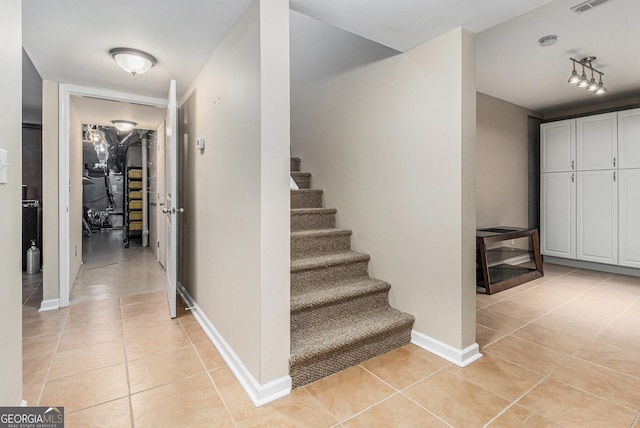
(582, 81)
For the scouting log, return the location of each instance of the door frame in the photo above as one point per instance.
(65, 91)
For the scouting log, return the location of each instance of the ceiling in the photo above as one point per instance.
(93, 111)
(68, 40)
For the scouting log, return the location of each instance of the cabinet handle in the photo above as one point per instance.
(573, 180)
(614, 176)
(573, 163)
(614, 162)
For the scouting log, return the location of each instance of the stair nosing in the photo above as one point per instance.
(325, 231)
(328, 260)
(310, 299)
(312, 211)
(338, 341)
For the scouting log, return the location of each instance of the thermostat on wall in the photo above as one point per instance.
(4, 162)
(200, 143)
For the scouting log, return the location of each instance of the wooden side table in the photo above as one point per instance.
(492, 273)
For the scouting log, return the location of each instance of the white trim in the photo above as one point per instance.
(460, 358)
(49, 305)
(23, 403)
(600, 267)
(260, 394)
(65, 91)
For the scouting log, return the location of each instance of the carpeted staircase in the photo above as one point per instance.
(339, 315)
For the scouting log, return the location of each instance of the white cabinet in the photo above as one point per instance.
(629, 216)
(558, 146)
(558, 214)
(597, 216)
(596, 142)
(629, 138)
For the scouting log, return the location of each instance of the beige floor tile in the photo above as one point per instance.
(145, 308)
(82, 319)
(155, 370)
(499, 376)
(95, 307)
(517, 416)
(485, 336)
(637, 423)
(570, 407)
(592, 309)
(31, 391)
(570, 284)
(517, 310)
(611, 356)
(610, 385)
(209, 355)
(562, 334)
(610, 292)
(349, 392)
(441, 362)
(177, 403)
(497, 321)
(87, 358)
(484, 300)
(229, 388)
(298, 409)
(526, 354)
(40, 346)
(33, 314)
(155, 341)
(620, 284)
(543, 299)
(196, 333)
(397, 411)
(86, 389)
(400, 368)
(145, 297)
(114, 414)
(221, 419)
(456, 400)
(81, 336)
(41, 328)
(633, 311)
(624, 338)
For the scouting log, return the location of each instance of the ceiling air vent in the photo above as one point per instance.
(588, 5)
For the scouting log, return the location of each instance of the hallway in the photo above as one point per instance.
(560, 351)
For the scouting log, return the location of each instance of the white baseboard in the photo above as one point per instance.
(23, 403)
(260, 394)
(49, 305)
(460, 358)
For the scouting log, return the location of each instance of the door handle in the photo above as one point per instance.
(176, 210)
(165, 210)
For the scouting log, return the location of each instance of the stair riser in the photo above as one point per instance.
(308, 199)
(317, 245)
(319, 277)
(320, 315)
(325, 365)
(302, 179)
(313, 221)
(295, 164)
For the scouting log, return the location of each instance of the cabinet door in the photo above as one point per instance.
(629, 217)
(629, 138)
(597, 142)
(558, 214)
(558, 146)
(597, 216)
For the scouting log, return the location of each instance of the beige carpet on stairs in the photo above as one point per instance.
(340, 316)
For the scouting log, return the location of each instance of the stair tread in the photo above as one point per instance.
(300, 173)
(311, 342)
(336, 292)
(328, 260)
(306, 191)
(312, 211)
(320, 232)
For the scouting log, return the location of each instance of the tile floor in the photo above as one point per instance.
(563, 351)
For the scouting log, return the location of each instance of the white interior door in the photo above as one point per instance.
(171, 209)
(161, 246)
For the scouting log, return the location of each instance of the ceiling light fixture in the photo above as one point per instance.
(133, 61)
(123, 125)
(582, 81)
(549, 40)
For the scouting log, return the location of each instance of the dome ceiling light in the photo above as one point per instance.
(133, 61)
(124, 125)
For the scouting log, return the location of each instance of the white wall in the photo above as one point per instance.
(10, 206)
(50, 256)
(31, 91)
(391, 139)
(75, 194)
(502, 163)
(235, 231)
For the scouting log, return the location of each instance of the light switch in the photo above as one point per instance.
(4, 166)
